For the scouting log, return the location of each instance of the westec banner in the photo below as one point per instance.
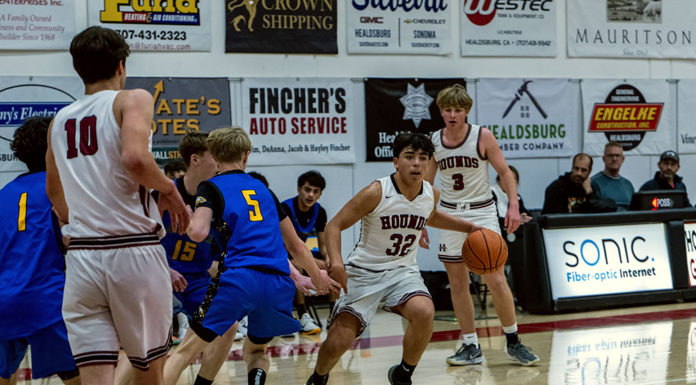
(299, 121)
(155, 25)
(690, 240)
(638, 114)
(181, 104)
(607, 260)
(508, 28)
(35, 25)
(25, 97)
(531, 118)
(423, 27)
(393, 106)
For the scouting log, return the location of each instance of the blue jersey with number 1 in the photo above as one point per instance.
(31, 264)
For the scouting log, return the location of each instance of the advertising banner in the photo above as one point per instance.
(37, 25)
(686, 100)
(155, 25)
(24, 97)
(393, 106)
(400, 28)
(690, 240)
(299, 121)
(626, 354)
(198, 104)
(297, 26)
(508, 28)
(631, 28)
(531, 118)
(607, 260)
(691, 354)
(635, 113)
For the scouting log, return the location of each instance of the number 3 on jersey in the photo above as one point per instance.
(255, 214)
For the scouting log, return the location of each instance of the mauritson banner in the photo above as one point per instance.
(393, 106)
(288, 26)
(181, 104)
(299, 121)
(531, 118)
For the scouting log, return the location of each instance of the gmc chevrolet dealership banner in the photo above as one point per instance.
(508, 28)
(299, 121)
(632, 28)
(393, 106)
(280, 26)
(24, 97)
(418, 28)
(686, 126)
(154, 25)
(34, 25)
(182, 104)
(690, 240)
(531, 118)
(607, 260)
(635, 113)
(626, 354)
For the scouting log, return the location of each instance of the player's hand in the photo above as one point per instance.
(424, 240)
(587, 186)
(178, 281)
(338, 273)
(179, 213)
(475, 227)
(303, 284)
(524, 218)
(512, 220)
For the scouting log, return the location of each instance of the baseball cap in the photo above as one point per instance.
(669, 154)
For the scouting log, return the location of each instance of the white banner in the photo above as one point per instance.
(632, 28)
(37, 25)
(531, 118)
(24, 97)
(686, 100)
(499, 28)
(299, 121)
(421, 27)
(690, 241)
(607, 260)
(620, 355)
(638, 114)
(153, 25)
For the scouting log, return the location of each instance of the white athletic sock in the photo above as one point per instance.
(512, 329)
(469, 339)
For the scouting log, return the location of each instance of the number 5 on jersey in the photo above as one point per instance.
(255, 214)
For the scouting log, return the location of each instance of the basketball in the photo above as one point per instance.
(484, 251)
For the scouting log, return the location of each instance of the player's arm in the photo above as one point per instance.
(507, 178)
(134, 111)
(54, 189)
(321, 240)
(445, 221)
(209, 203)
(429, 176)
(360, 205)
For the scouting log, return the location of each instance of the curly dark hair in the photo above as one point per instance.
(96, 53)
(29, 142)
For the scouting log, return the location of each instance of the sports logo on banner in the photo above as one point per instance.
(633, 113)
(299, 121)
(155, 25)
(631, 28)
(181, 104)
(418, 28)
(393, 106)
(287, 26)
(508, 28)
(22, 98)
(686, 137)
(531, 118)
(34, 25)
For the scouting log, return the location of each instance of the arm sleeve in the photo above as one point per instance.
(279, 206)
(209, 196)
(321, 220)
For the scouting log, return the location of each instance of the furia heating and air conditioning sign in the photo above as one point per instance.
(607, 260)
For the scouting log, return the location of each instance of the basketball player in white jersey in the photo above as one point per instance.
(382, 267)
(99, 172)
(462, 154)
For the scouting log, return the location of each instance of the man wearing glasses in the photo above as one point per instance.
(608, 183)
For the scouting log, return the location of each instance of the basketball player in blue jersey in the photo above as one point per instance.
(32, 268)
(256, 281)
(382, 267)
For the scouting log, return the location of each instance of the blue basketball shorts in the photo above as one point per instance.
(193, 296)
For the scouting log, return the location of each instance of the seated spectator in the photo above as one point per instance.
(572, 191)
(501, 199)
(666, 178)
(175, 169)
(608, 183)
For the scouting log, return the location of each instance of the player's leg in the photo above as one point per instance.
(420, 312)
(344, 328)
(152, 375)
(190, 347)
(215, 355)
(256, 359)
(469, 352)
(124, 370)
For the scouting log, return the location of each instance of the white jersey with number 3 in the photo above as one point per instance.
(463, 170)
(389, 234)
(102, 197)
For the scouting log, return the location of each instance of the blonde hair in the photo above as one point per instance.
(454, 96)
(228, 144)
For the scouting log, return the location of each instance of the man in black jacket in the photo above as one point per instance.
(572, 191)
(667, 178)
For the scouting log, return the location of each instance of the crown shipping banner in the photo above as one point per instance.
(307, 26)
(531, 118)
(37, 25)
(638, 114)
